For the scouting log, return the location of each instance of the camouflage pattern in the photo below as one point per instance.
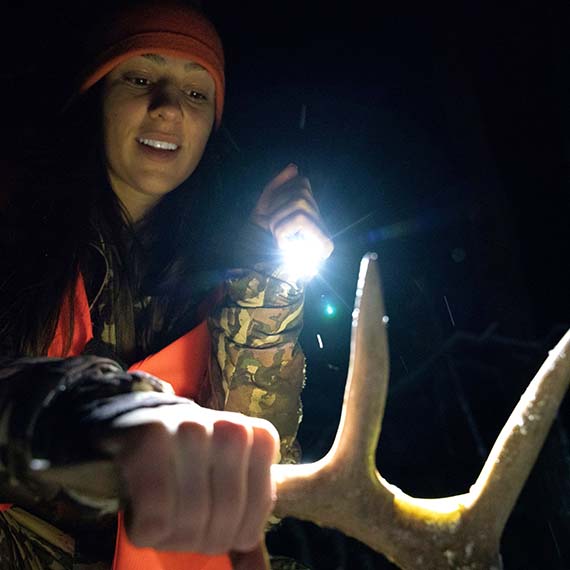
(258, 367)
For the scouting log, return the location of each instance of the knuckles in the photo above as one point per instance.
(301, 183)
(301, 204)
(266, 444)
(193, 433)
(166, 512)
(295, 221)
(231, 434)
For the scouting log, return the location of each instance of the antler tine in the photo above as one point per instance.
(344, 490)
(301, 492)
(364, 402)
(520, 441)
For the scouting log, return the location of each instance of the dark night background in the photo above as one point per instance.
(435, 134)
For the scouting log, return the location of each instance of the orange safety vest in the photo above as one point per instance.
(183, 364)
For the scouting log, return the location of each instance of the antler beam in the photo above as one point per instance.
(344, 489)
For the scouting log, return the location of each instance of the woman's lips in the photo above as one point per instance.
(158, 154)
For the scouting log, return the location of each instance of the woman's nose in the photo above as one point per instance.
(165, 104)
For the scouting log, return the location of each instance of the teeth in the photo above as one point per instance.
(159, 144)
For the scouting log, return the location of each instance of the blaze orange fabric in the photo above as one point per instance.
(82, 330)
(128, 557)
(171, 30)
(183, 364)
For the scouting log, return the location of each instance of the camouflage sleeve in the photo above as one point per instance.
(258, 367)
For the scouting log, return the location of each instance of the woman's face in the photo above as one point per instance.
(158, 114)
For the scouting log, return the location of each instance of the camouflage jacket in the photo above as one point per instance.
(257, 368)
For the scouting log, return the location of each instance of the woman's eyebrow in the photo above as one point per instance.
(188, 66)
(193, 66)
(155, 58)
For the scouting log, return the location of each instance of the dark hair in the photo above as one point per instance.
(64, 202)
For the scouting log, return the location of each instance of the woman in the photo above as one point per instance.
(109, 271)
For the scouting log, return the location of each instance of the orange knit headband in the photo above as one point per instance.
(169, 30)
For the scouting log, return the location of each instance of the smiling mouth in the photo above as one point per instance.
(161, 145)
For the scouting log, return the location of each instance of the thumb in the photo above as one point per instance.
(265, 203)
(256, 559)
(288, 173)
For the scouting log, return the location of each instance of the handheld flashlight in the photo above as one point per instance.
(302, 256)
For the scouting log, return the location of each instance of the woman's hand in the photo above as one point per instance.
(287, 208)
(196, 479)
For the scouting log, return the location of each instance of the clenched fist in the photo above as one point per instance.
(195, 479)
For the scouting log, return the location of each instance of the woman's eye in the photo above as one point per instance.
(196, 95)
(137, 81)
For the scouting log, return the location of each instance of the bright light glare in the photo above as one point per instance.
(329, 310)
(302, 256)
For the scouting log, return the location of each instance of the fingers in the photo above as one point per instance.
(296, 192)
(288, 173)
(150, 486)
(232, 445)
(205, 487)
(260, 491)
(256, 559)
(287, 208)
(302, 223)
(286, 189)
(193, 482)
(293, 201)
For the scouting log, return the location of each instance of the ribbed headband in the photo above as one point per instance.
(169, 30)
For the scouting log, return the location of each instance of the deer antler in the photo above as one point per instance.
(345, 491)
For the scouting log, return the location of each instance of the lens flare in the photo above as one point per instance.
(302, 256)
(330, 310)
